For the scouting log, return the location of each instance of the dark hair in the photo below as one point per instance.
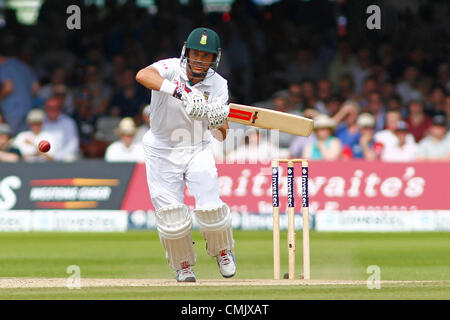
(347, 77)
(416, 101)
(440, 87)
(393, 110)
(370, 78)
(308, 80)
(335, 97)
(395, 97)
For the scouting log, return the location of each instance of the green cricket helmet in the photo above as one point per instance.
(203, 39)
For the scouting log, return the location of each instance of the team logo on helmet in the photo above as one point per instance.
(203, 39)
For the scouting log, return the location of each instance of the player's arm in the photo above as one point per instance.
(150, 78)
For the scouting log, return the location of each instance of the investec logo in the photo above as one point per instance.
(290, 186)
(275, 187)
(304, 187)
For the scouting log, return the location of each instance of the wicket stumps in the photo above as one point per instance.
(291, 216)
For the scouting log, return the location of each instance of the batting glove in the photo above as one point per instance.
(195, 104)
(217, 114)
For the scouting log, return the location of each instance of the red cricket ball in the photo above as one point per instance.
(44, 146)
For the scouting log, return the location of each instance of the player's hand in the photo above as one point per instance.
(217, 114)
(195, 103)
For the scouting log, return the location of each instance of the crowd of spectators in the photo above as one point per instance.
(386, 99)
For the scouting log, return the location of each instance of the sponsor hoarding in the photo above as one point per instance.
(78, 185)
(346, 195)
(340, 185)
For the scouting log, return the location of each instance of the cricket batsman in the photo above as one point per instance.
(189, 106)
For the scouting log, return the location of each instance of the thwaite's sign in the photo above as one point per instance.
(346, 185)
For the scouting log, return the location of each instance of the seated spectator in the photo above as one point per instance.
(381, 75)
(387, 90)
(8, 153)
(370, 86)
(324, 92)
(114, 77)
(326, 147)
(443, 72)
(86, 123)
(436, 146)
(346, 87)
(388, 136)
(294, 96)
(106, 126)
(18, 85)
(367, 148)
(63, 129)
(343, 62)
(447, 110)
(145, 126)
(57, 86)
(131, 96)
(125, 150)
(425, 85)
(407, 88)
(333, 105)
(362, 69)
(305, 67)
(347, 129)
(403, 150)
(394, 102)
(298, 144)
(84, 117)
(27, 141)
(100, 92)
(254, 149)
(309, 94)
(418, 122)
(436, 102)
(375, 107)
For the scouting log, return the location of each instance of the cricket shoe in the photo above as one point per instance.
(227, 264)
(186, 273)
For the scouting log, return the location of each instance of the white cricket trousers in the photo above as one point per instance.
(169, 170)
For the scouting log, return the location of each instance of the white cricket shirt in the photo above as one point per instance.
(170, 124)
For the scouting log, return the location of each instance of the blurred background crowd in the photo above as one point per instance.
(373, 94)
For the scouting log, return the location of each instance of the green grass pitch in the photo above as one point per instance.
(139, 255)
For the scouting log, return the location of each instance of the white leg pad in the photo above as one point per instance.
(215, 226)
(174, 224)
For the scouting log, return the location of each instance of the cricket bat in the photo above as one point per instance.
(270, 119)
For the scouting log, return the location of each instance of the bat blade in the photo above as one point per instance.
(270, 119)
